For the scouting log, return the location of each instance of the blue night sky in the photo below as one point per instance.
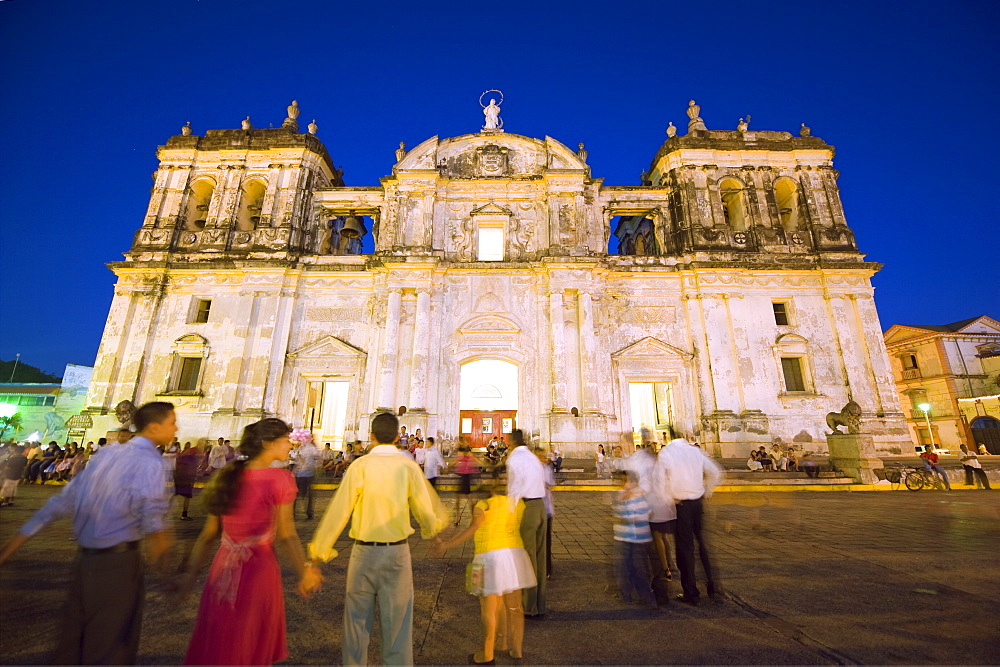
(92, 88)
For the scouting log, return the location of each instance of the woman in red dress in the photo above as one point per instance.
(241, 620)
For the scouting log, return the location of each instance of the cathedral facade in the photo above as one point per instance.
(738, 311)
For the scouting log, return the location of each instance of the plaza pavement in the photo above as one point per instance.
(807, 578)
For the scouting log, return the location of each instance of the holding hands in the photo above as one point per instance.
(311, 581)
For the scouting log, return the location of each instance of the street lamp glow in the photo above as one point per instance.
(926, 407)
(7, 410)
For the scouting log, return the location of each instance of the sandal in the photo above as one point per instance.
(472, 660)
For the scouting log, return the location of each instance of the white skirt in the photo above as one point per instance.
(505, 571)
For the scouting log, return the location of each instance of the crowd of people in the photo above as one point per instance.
(118, 495)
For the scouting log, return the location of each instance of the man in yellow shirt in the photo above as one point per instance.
(376, 495)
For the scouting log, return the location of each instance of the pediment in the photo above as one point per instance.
(330, 346)
(789, 339)
(898, 333)
(191, 339)
(489, 324)
(491, 209)
(982, 325)
(650, 347)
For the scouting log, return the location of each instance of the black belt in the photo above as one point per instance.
(379, 544)
(121, 547)
(527, 499)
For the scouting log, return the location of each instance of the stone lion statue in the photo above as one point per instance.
(849, 417)
(125, 411)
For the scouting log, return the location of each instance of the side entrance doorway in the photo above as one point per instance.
(480, 426)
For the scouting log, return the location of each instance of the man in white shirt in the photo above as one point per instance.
(526, 481)
(973, 468)
(217, 457)
(433, 462)
(691, 475)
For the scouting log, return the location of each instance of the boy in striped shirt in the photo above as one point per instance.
(632, 537)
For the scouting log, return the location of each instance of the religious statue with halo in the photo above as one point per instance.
(492, 111)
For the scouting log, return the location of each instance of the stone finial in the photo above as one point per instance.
(581, 152)
(290, 122)
(805, 131)
(186, 130)
(313, 127)
(671, 130)
(246, 124)
(401, 151)
(696, 122)
(743, 124)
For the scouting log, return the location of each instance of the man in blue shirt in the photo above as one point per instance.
(119, 498)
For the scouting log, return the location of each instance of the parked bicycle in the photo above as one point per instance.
(913, 478)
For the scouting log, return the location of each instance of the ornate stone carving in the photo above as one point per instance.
(492, 161)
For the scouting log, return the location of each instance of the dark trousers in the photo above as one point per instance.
(689, 530)
(632, 567)
(103, 614)
(533, 534)
(305, 485)
(968, 474)
(980, 475)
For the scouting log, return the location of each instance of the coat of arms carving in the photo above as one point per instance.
(492, 160)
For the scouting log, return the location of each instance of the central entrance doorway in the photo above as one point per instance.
(652, 409)
(488, 401)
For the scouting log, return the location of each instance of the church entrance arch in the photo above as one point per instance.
(488, 401)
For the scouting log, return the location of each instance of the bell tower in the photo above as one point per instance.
(238, 193)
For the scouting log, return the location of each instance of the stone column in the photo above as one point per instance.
(421, 353)
(588, 350)
(558, 360)
(387, 374)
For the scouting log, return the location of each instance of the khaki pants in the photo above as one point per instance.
(384, 573)
(534, 536)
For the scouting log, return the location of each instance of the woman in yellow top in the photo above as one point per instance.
(498, 572)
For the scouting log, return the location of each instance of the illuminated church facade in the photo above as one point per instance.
(739, 310)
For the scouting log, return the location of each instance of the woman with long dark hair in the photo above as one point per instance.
(241, 620)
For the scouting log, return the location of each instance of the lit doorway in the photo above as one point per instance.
(652, 408)
(326, 412)
(488, 401)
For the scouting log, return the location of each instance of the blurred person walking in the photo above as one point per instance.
(10, 472)
(466, 466)
(526, 481)
(307, 456)
(691, 475)
(241, 618)
(498, 573)
(433, 462)
(376, 495)
(632, 535)
(116, 501)
(185, 475)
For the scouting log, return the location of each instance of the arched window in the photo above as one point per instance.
(792, 353)
(733, 209)
(199, 201)
(786, 196)
(250, 205)
(188, 368)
